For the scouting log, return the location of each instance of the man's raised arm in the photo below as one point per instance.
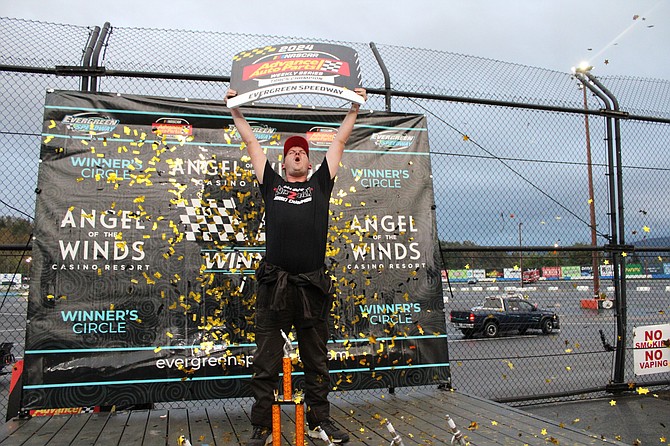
(336, 149)
(254, 148)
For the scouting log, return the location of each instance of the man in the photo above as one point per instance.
(294, 289)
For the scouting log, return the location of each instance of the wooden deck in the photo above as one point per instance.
(417, 414)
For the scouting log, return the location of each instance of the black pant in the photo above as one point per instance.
(268, 362)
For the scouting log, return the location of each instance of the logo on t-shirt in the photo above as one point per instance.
(293, 195)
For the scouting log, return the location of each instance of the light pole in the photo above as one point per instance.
(557, 243)
(592, 205)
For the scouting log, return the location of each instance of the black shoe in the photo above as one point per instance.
(334, 433)
(262, 436)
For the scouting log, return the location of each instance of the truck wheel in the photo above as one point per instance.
(467, 332)
(490, 329)
(547, 326)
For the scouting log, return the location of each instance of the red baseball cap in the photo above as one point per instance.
(296, 141)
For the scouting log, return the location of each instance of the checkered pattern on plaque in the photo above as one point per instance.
(211, 221)
(332, 65)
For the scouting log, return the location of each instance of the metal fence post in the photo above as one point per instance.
(88, 53)
(387, 77)
(619, 366)
(616, 208)
(96, 54)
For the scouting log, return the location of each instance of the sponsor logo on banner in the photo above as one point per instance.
(63, 411)
(90, 123)
(262, 133)
(99, 243)
(392, 140)
(321, 136)
(172, 127)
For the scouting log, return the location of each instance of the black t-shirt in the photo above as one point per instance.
(296, 219)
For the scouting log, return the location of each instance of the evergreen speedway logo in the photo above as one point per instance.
(392, 140)
(90, 123)
(262, 133)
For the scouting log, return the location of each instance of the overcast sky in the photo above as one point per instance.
(617, 37)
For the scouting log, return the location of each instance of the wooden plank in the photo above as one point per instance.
(429, 413)
(372, 416)
(177, 425)
(426, 414)
(222, 428)
(90, 432)
(514, 424)
(112, 431)
(364, 423)
(239, 421)
(48, 431)
(155, 433)
(476, 424)
(69, 431)
(133, 432)
(24, 430)
(10, 427)
(200, 429)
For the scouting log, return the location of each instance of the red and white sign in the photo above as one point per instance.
(651, 349)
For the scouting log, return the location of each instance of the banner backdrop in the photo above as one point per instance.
(148, 228)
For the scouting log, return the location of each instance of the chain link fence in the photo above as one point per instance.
(528, 175)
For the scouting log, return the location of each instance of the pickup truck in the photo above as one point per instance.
(504, 313)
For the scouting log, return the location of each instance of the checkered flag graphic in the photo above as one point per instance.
(332, 66)
(207, 219)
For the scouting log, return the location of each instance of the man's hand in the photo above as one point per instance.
(229, 94)
(362, 93)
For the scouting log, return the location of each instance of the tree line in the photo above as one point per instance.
(456, 256)
(15, 231)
